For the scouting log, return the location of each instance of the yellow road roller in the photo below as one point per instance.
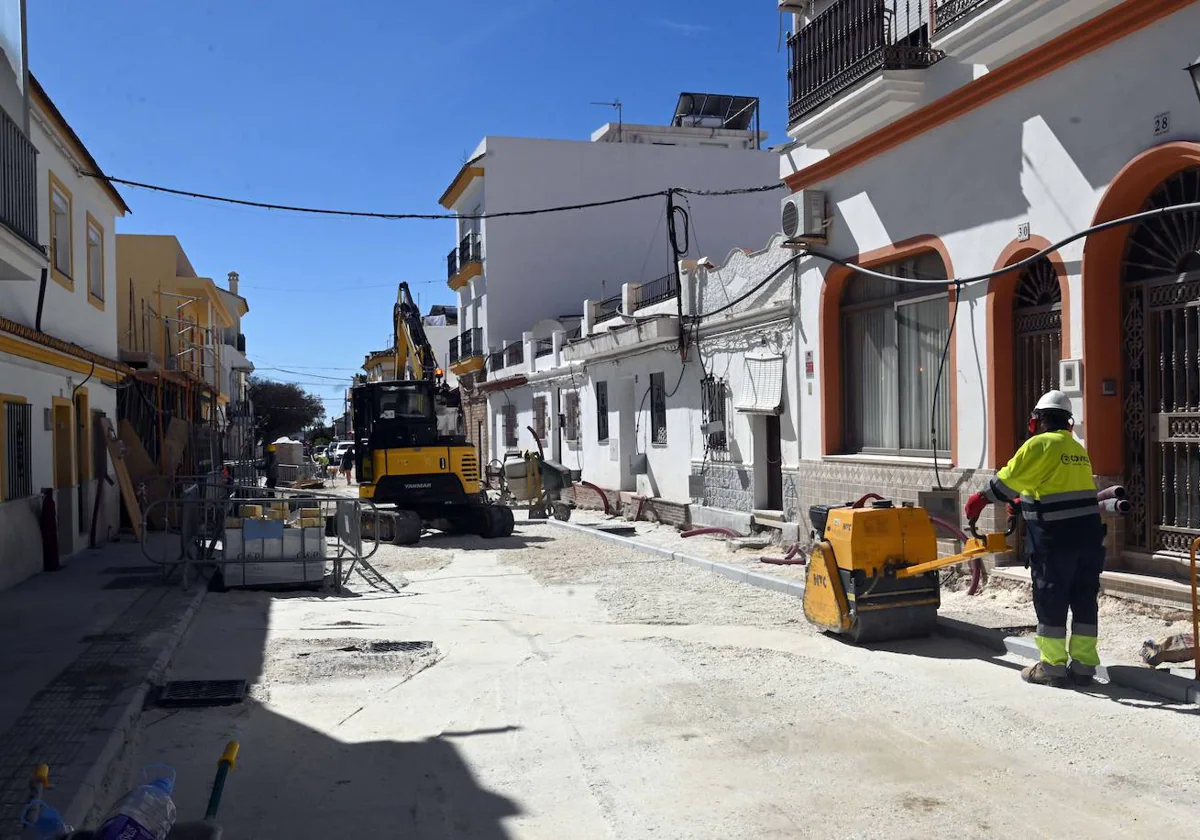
(874, 575)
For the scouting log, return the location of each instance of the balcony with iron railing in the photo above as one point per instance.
(852, 41)
(470, 343)
(18, 182)
(465, 262)
(607, 309)
(543, 347)
(995, 32)
(467, 352)
(656, 291)
(948, 13)
(514, 354)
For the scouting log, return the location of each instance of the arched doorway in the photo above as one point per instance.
(1160, 297)
(1037, 334)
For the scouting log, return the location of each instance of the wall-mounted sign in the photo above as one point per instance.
(1023, 232)
(1162, 123)
(809, 368)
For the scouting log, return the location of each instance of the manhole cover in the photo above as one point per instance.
(398, 647)
(201, 693)
(134, 582)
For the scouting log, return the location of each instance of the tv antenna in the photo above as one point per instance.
(616, 103)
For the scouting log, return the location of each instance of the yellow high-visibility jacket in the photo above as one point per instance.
(1052, 476)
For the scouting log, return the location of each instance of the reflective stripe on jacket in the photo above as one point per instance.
(1051, 475)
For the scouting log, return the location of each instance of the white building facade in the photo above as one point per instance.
(511, 272)
(978, 134)
(972, 137)
(58, 331)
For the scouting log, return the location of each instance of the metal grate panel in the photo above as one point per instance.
(184, 693)
(398, 647)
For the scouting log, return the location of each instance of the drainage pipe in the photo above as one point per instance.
(788, 559)
(867, 498)
(696, 532)
(977, 574)
(603, 496)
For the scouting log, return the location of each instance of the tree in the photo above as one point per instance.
(282, 408)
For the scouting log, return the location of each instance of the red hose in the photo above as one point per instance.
(696, 532)
(603, 496)
(864, 499)
(977, 574)
(788, 559)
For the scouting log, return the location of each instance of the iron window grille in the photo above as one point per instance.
(510, 425)
(18, 450)
(658, 409)
(539, 418)
(571, 410)
(713, 398)
(602, 411)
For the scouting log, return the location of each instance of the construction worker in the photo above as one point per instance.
(1051, 477)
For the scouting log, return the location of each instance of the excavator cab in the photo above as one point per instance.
(409, 448)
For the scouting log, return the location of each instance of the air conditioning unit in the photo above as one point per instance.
(802, 216)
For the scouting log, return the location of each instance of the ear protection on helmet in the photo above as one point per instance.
(1033, 421)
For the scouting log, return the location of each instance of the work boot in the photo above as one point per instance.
(1038, 675)
(1079, 679)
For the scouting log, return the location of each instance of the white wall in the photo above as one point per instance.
(68, 314)
(545, 266)
(20, 531)
(1042, 154)
(439, 339)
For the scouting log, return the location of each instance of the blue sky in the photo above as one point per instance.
(370, 107)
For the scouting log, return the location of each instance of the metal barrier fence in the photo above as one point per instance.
(259, 537)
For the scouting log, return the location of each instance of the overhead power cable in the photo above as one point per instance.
(369, 214)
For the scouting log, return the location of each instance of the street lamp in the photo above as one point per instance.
(1194, 71)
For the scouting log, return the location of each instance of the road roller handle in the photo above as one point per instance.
(976, 547)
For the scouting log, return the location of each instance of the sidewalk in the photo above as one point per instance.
(980, 624)
(78, 649)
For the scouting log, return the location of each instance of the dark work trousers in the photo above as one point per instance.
(1065, 561)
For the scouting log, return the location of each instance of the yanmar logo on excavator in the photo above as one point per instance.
(427, 485)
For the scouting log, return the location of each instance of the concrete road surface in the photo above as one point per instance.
(576, 689)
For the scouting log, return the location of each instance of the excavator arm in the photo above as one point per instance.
(414, 353)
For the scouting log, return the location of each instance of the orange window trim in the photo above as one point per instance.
(1103, 253)
(830, 338)
(1001, 297)
(1102, 30)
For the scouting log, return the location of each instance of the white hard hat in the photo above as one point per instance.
(1054, 401)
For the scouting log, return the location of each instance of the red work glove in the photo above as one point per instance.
(975, 506)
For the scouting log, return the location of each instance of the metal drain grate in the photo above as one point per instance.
(134, 581)
(398, 647)
(201, 693)
(107, 638)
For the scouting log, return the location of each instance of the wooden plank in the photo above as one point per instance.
(128, 494)
(138, 462)
(174, 446)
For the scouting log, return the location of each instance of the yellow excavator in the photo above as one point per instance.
(410, 458)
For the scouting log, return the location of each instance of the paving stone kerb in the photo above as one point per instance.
(80, 723)
(1148, 680)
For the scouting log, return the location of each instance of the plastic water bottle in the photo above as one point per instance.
(146, 812)
(49, 824)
